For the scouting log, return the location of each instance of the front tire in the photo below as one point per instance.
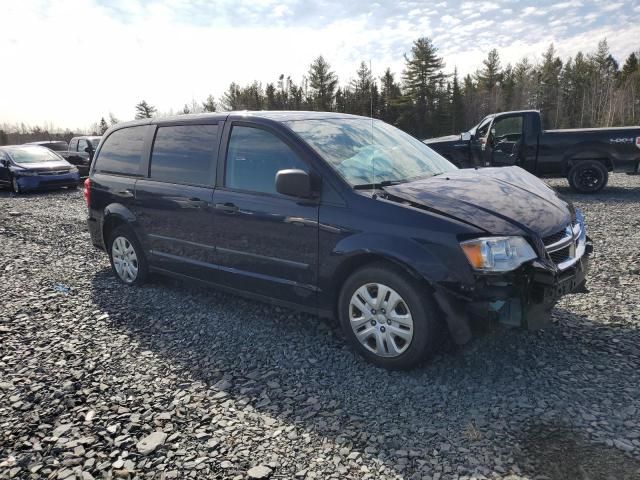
(15, 186)
(389, 317)
(127, 258)
(588, 176)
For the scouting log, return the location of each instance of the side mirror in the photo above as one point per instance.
(294, 182)
(465, 136)
(88, 149)
(4, 162)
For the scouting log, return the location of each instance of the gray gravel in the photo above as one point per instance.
(99, 380)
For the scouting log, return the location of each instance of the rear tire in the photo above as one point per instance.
(389, 317)
(128, 260)
(588, 176)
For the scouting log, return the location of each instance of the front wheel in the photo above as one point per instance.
(588, 176)
(127, 258)
(15, 186)
(389, 317)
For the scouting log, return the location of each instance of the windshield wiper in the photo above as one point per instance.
(384, 183)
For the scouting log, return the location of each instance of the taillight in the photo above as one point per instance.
(87, 191)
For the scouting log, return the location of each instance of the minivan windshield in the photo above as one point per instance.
(32, 155)
(370, 153)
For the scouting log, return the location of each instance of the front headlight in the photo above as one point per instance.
(25, 173)
(497, 254)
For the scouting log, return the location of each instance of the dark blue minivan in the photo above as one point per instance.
(339, 215)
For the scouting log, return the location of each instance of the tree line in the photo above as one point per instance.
(588, 90)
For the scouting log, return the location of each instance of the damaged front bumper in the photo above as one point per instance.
(522, 298)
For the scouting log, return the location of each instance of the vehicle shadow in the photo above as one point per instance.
(298, 369)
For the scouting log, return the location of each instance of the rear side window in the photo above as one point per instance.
(254, 157)
(185, 154)
(73, 145)
(122, 151)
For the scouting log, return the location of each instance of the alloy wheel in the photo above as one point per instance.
(125, 260)
(381, 320)
(589, 178)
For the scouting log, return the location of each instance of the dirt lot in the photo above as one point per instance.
(89, 368)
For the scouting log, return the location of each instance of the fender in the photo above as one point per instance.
(588, 151)
(444, 269)
(117, 211)
(431, 262)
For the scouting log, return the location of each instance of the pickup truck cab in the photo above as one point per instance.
(584, 156)
(80, 153)
(339, 215)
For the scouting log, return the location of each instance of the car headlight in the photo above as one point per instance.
(497, 254)
(26, 173)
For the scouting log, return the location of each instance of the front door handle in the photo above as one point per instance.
(228, 208)
(126, 193)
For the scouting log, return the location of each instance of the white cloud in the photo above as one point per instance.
(132, 50)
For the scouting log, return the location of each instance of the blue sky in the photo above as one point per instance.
(71, 62)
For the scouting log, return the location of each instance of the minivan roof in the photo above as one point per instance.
(275, 115)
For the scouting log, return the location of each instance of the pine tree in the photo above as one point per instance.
(630, 67)
(363, 92)
(209, 105)
(457, 104)
(113, 120)
(270, 92)
(103, 126)
(144, 110)
(422, 73)
(390, 94)
(185, 110)
(323, 83)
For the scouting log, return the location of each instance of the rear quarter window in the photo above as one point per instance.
(185, 154)
(122, 151)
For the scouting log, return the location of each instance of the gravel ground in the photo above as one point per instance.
(99, 380)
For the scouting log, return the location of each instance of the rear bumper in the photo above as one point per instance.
(37, 182)
(95, 230)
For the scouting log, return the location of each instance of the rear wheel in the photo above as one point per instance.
(127, 258)
(388, 317)
(588, 176)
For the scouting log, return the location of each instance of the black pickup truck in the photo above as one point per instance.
(584, 156)
(80, 153)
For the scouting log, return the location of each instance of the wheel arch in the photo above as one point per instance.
(588, 152)
(114, 216)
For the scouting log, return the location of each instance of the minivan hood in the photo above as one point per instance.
(500, 201)
(50, 165)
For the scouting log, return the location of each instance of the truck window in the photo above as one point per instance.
(73, 145)
(82, 144)
(254, 157)
(122, 151)
(507, 127)
(483, 128)
(185, 154)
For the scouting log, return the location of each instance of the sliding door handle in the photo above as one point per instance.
(228, 207)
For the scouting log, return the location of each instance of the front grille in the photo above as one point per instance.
(556, 237)
(54, 172)
(561, 255)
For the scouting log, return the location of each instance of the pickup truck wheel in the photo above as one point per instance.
(388, 317)
(127, 258)
(588, 176)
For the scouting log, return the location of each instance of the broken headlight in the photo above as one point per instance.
(497, 254)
